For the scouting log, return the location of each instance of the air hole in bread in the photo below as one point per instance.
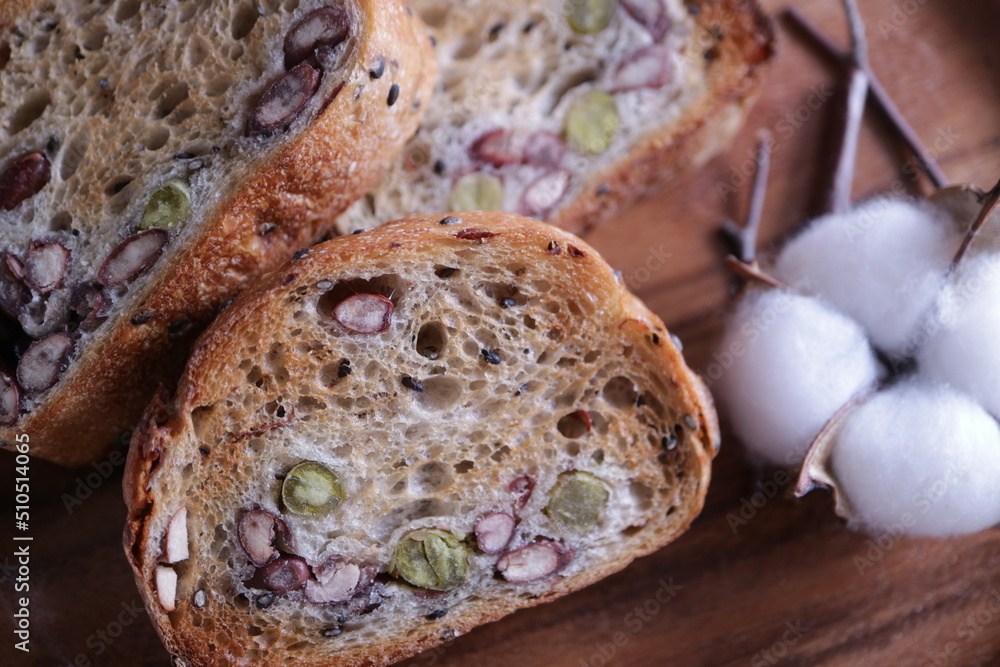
(93, 35)
(435, 15)
(570, 83)
(431, 340)
(171, 98)
(72, 156)
(116, 185)
(620, 392)
(197, 50)
(649, 399)
(291, 5)
(201, 418)
(61, 222)
(127, 9)
(500, 454)
(219, 85)
(38, 45)
(432, 477)
(156, 138)
(469, 46)
(244, 20)
(463, 467)
(4, 54)
(398, 487)
(445, 271)
(34, 106)
(503, 294)
(574, 425)
(440, 393)
(598, 456)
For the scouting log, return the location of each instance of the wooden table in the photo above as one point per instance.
(791, 585)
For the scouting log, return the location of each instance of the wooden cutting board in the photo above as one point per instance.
(760, 579)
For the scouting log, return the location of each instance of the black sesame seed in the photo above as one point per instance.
(669, 441)
(449, 220)
(436, 614)
(216, 149)
(495, 30)
(507, 302)
(203, 451)
(103, 83)
(52, 145)
(528, 27)
(395, 245)
(266, 228)
(299, 254)
(434, 41)
(410, 383)
(379, 69)
(641, 401)
(264, 601)
(439, 167)
(183, 156)
(393, 94)
(490, 356)
(344, 369)
(141, 318)
(603, 190)
(330, 633)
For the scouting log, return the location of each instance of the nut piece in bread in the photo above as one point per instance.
(566, 111)
(155, 157)
(521, 427)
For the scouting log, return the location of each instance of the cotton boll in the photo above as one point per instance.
(922, 459)
(964, 350)
(882, 264)
(787, 364)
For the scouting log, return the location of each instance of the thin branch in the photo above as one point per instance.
(989, 205)
(751, 230)
(859, 45)
(879, 95)
(857, 93)
(745, 236)
(750, 272)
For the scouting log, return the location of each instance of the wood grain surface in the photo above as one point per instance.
(760, 579)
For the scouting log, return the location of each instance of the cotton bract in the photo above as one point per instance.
(788, 364)
(882, 264)
(920, 459)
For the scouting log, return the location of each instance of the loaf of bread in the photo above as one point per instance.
(405, 434)
(154, 157)
(566, 110)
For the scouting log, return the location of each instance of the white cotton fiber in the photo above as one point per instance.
(964, 350)
(787, 364)
(922, 460)
(882, 264)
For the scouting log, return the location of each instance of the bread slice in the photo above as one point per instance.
(457, 375)
(514, 76)
(154, 157)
